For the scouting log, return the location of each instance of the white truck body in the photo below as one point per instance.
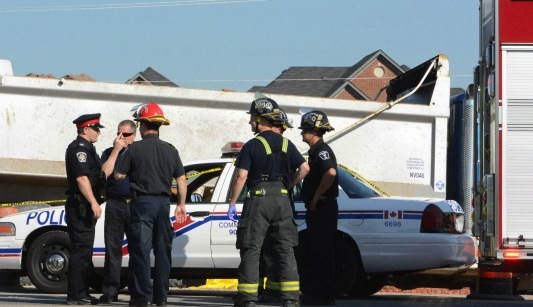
(403, 150)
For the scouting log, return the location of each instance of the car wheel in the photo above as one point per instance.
(367, 286)
(347, 265)
(47, 262)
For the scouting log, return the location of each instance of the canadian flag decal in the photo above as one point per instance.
(393, 214)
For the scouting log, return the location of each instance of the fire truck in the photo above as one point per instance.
(501, 166)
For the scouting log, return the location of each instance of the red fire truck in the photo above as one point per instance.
(503, 139)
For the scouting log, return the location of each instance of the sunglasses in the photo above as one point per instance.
(94, 128)
(126, 134)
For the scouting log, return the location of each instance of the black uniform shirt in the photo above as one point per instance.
(116, 188)
(253, 158)
(151, 164)
(321, 158)
(81, 159)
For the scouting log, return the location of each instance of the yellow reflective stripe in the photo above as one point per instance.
(289, 286)
(284, 191)
(285, 145)
(247, 288)
(265, 143)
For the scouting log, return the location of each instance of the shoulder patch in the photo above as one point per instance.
(324, 155)
(82, 156)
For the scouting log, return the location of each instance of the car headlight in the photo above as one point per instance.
(7, 229)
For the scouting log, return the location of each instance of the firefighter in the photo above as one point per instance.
(319, 192)
(268, 293)
(264, 164)
(151, 165)
(85, 179)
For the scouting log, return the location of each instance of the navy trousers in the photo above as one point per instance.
(150, 228)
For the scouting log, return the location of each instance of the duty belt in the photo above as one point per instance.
(268, 192)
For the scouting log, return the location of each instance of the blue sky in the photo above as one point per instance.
(233, 44)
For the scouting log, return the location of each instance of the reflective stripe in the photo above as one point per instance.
(284, 145)
(265, 144)
(289, 286)
(284, 286)
(263, 192)
(247, 288)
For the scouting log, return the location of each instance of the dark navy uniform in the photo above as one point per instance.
(117, 223)
(151, 165)
(81, 159)
(321, 224)
(269, 159)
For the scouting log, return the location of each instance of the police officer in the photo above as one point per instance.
(82, 209)
(319, 192)
(263, 165)
(117, 214)
(151, 165)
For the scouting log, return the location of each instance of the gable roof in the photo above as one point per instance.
(319, 81)
(150, 76)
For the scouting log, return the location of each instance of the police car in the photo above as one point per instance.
(377, 235)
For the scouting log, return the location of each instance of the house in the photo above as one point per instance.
(151, 77)
(362, 81)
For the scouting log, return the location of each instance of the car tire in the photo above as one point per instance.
(367, 286)
(47, 262)
(347, 265)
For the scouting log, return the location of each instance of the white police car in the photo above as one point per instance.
(377, 235)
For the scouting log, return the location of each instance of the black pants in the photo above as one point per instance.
(267, 216)
(267, 263)
(321, 236)
(150, 228)
(80, 227)
(117, 223)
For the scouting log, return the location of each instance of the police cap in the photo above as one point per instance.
(88, 120)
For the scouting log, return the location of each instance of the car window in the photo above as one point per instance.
(201, 181)
(354, 187)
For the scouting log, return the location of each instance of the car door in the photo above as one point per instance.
(192, 245)
(224, 230)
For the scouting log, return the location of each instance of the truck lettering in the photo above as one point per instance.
(416, 175)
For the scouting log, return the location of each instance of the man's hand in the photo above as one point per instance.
(120, 142)
(180, 214)
(97, 211)
(232, 213)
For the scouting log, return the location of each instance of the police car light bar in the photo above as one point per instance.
(231, 149)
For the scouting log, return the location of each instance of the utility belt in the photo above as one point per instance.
(268, 188)
(83, 206)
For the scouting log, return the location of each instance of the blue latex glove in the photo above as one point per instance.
(232, 213)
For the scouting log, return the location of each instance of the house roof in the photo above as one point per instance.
(151, 76)
(323, 81)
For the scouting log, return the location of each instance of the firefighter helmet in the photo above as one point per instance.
(284, 120)
(315, 120)
(266, 108)
(150, 112)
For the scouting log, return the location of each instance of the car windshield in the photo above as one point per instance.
(355, 187)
